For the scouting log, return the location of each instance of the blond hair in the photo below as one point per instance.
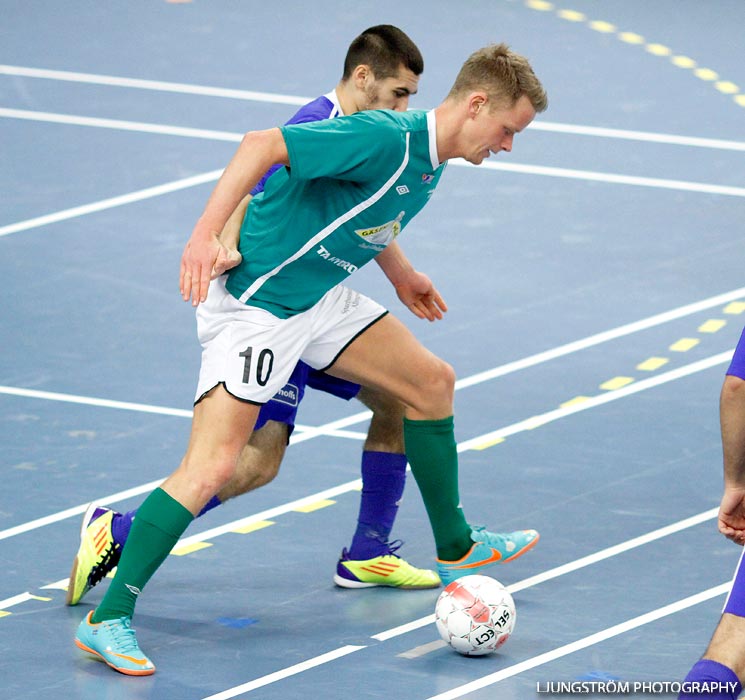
(503, 75)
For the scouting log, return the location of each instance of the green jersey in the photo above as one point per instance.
(352, 185)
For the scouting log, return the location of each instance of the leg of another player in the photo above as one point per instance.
(383, 475)
(259, 461)
(723, 664)
(258, 464)
(724, 660)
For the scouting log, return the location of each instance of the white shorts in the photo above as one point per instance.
(252, 352)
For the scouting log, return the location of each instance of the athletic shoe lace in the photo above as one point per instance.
(123, 636)
(109, 559)
(481, 534)
(392, 547)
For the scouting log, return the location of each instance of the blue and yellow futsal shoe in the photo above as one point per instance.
(97, 555)
(386, 570)
(114, 642)
(488, 548)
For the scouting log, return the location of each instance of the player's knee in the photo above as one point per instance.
(384, 406)
(437, 388)
(443, 380)
(209, 474)
(255, 469)
(259, 460)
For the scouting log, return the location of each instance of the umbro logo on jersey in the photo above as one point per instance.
(402, 189)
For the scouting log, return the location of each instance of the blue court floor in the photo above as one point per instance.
(595, 283)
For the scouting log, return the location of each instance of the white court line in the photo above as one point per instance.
(540, 170)
(186, 88)
(158, 85)
(478, 378)
(569, 130)
(18, 599)
(111, 202)
(603, 337)
(611, 178)
(570, 567)
(529, 424)
(520, 585)
(120, 124)
(310, 433)
(285, 673)
(556, 414)
(78, 510)
(583, 643)
(545, 576)
(305, 432)
(532, 581)
(92, 401)
(647, 136)
(328, 429)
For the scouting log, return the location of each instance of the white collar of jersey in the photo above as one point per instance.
(334, 99)
(432, 129)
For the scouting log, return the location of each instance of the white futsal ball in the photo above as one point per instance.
(475, 615)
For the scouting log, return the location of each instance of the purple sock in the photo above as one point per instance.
(710, 680)
(120, 526)
(735, 603)
(383, 479)
(212, 503)
(122, 522)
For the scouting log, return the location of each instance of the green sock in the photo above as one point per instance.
(432, 454)
(160, 522)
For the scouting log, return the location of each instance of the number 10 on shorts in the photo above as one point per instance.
(263, 369)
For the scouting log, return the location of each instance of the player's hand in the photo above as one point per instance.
(419, 295)
(227, 258)
(732, 514)
(197, 262)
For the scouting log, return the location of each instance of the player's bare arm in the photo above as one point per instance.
(414, 289)
(732, 418)
(258, 151)
(228, 256)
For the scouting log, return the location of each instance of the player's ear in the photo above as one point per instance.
(476, 102)
(362, 75)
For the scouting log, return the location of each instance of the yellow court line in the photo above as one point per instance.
(684, 344)
(726, 87)
(316, 505)
(616, 383)
(712, 325)
(573, 402)
(190, 548)
(652, 363)
(735, 307)
(489, 443)
(252, 527)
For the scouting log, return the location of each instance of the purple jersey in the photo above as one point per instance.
(737, 366)
(324, 107)
(283, 406)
